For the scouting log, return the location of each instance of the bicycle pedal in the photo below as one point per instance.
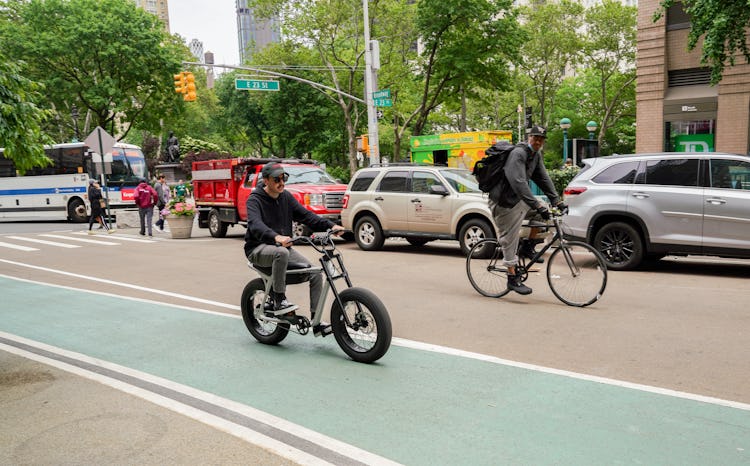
(303, 325)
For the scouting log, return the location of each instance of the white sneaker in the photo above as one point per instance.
(111, 230)
(92, 232)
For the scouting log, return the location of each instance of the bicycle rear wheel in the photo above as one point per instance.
(485, 269)
(577, 273)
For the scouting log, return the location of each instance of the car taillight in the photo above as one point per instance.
(346, 201)
(572, 191)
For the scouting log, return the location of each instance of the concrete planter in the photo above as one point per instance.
(181, 226)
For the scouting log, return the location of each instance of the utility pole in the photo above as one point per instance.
(372, 115)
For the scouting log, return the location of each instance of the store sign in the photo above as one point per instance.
(689, 108)
(694, 143)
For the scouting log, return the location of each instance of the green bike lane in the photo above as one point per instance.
(414, 407)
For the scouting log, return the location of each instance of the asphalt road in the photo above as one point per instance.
(680, 326)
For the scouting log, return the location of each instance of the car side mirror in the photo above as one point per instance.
(438, 189)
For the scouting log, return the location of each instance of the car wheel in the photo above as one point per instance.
(368, 235)
(620, 245)
(472, 232)
(216, 227)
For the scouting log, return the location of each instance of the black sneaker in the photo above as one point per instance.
(281, 305)
(322, 329)
(528, 250)
(515, 284)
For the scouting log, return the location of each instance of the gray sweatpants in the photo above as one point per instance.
(509, 221)
(277, 257)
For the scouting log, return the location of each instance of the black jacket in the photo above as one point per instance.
(268, 217)
(523, 165)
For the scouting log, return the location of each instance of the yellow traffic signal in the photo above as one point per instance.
(180, 83)
(190, 94)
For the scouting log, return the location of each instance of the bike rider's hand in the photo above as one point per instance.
(337, 230)
(282, 240)
(563, 207)
(543, 212)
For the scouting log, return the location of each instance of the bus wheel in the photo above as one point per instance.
(77, 211)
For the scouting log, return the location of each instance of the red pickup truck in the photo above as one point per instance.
(221, 188)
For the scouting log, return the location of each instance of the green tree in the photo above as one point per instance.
(114, 61)
(468, 45)
(553, 48)
(723, 26)
(20, 118)
(609, 56)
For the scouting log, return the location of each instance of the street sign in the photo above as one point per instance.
(382, 94)
(383, 102)
(256, 85)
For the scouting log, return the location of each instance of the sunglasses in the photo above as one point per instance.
(279, 179)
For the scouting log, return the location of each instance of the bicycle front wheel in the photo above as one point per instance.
(485, 268)
(577, 273)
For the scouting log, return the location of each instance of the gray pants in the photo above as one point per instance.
(277, 257)
(146, 215)
(509, 221)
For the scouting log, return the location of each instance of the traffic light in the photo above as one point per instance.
(190, 94)
(180, 83)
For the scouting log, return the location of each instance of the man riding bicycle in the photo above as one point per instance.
(525, 162)
(270, 212)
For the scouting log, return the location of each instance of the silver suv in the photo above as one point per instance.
(646, 206)
(418, 202)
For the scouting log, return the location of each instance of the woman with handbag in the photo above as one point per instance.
(98, 204)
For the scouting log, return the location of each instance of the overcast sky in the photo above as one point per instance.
(213, 22)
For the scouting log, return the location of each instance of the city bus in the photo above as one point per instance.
(59, 191)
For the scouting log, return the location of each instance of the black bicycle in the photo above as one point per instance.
(576, 272)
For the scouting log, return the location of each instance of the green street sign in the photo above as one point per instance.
(382, 94)
(383, 102)
(255, 85)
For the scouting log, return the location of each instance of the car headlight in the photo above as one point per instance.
(314, 199)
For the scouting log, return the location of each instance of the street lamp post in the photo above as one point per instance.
(565, 124)
(74, 114)
(591, 126)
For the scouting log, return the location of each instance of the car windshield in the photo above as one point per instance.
(308, 175)
(461, 179)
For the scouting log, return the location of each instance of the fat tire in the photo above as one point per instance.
(377, 317)
(577, 290)
(483, 267)
(368, 234)
(472, 232)
(264, 332)
(216, 227)
(620, 245)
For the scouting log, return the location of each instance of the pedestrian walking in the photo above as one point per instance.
(145, 198)
(98, 204)
(163, 194)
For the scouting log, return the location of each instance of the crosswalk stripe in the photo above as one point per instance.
(124, 238)
(16, 246)
(84, 240)
(41, 241)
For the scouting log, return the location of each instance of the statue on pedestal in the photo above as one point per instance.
(173, 148)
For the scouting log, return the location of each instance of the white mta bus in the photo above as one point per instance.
(59, 190)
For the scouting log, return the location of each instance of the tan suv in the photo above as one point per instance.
(418, 202)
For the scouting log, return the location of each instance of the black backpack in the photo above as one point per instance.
(489, 170)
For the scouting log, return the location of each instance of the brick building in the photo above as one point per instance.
(677, 108)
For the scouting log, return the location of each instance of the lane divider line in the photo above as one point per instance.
(41, 241)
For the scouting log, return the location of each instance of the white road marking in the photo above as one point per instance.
(83, 240)
(41, 241)
(17, 246)
(120, 237)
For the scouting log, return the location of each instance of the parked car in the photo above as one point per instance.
(646, 206)
(418, 202)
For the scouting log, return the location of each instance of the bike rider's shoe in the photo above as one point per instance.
(527, 249)
(281, 305)
(516, 284)
(322, 329)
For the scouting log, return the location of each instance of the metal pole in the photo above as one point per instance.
(565, 145)
(372, 116)
(104, 177)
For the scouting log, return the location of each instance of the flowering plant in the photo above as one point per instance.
(178, 206)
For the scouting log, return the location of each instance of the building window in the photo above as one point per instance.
(677, 18)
